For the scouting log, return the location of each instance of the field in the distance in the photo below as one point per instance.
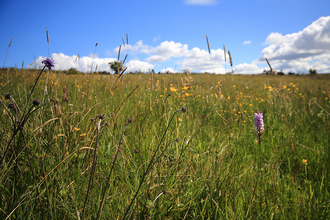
(217, 170)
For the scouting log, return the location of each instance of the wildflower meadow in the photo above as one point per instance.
(163, 146)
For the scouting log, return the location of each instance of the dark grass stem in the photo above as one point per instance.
(184, 109)
(19, 127)
(33, 174)
(113, 164)
(27, 103)
(177, 140)
(93, 168)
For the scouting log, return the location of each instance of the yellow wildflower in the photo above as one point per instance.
(77, 129)
(84, 134)
(304, 161)
(179, 119)
(173, 89)
(284, 87)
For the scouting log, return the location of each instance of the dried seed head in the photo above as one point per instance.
(164, 191)
(65, 98)
(130, 120)
(184, 109)
(36, 102)
(92, 119)
(101, 116)
(136, 151)
(177, 140)
(8, 95)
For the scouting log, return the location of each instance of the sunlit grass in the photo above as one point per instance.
(218, 170)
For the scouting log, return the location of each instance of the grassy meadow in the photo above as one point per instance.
(78, 148)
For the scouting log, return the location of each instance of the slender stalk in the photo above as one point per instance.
(93, 169)
(34, 176)
(20, 126)
(33, 90)
(113, 164)
(184, 109)
(163, 192)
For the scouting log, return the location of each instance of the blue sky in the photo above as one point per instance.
(168, 34)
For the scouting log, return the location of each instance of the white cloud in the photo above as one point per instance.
(139, 47)
(168, 69)
(247, 69)
(298, 51)
(84, 64)
(198, 60)
(167, 50)
(137, 65)
(247, 42)
(200, 2)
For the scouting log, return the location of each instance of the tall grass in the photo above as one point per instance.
(218, 169)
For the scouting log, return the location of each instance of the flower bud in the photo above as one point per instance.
(8, 95)
(36, 102)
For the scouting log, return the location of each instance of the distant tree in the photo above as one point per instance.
(312, 71)
(291, 74)
(73, 71)
(280, 73)
(266, 72)
(116, 66)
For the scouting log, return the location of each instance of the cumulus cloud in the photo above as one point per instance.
(300, 49)
(167, 50)
(247, 42)
(84, 64)
(198, 60)
(168, 69)
(200, 2)
(139, 47)
(137, 65)
(247, 69)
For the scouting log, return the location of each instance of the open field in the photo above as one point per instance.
(219, 169)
